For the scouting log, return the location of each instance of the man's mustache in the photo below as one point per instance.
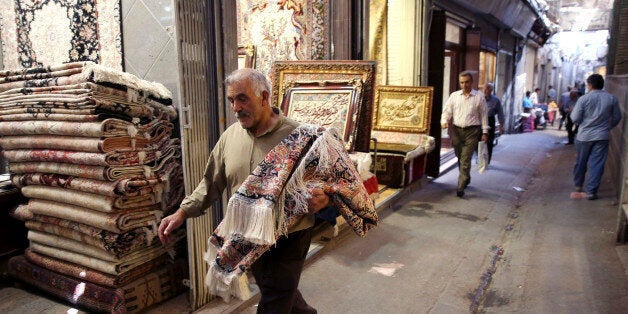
(241, 114)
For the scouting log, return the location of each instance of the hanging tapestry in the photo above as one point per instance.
(284, 30)
(42, 33)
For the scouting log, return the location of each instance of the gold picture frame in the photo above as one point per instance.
(246, 56)
(331, 70)
(403, 108)
(329, 104)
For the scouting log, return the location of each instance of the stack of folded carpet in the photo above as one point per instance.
(93, 150)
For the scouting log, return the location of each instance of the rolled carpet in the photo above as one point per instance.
(117, 244)
(152, 288)
(88, 274)
(115, 222)
(115, 268)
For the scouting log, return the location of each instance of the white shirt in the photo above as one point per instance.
(466, 110)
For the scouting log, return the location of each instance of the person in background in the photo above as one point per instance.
(534, 97)
(552, 111)
(466, 108)
(568, 106)
(493, 108)
(527, 104)
(564, 98)
(238, 151)
(596, 113)
(551, 94)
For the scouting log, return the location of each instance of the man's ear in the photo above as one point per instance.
(265, 97)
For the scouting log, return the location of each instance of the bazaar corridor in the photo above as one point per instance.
(529, 251)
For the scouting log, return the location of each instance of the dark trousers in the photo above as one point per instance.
(491, 137)
(591, 156)
(277, 273)
(465, 141)
(571, 129)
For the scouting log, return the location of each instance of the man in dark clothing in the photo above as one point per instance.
(568, 106)
(493, 108)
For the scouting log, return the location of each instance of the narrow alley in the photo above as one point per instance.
(515, 243)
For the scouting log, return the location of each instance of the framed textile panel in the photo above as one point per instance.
(42, 33)
(285, 30)
(403, 109)
(246, 56)
(329, 104)
(286, 74)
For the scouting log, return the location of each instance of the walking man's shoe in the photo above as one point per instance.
(592, 197)
(460, 193)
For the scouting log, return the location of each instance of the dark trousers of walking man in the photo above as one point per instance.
(572, 129)
(491, 137)
(465, 142)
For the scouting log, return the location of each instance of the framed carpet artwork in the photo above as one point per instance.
(285, 30)
(328, 103)
(42, 33)
(403, 109)
(287, 73)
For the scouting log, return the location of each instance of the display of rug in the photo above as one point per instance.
(284, 30)
(93, 151)
(81, 30)
(154, 287)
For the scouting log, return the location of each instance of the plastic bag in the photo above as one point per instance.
(482, 157)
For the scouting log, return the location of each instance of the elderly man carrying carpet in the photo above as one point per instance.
(281, 174)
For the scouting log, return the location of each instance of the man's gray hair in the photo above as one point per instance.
(258, 80)
(466, 73)
(491, 86)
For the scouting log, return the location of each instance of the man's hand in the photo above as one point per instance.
(169, 223)
(444, 125)
(318, 201)
(484, 137)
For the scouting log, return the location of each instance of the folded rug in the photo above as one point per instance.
(43, 69)
(94, 276)
(158, 136)
(128, 158)
(41, 75)
(90, 72)
(106, 128)
(52, 117)
(133, 297)
(116, 244)
(121, 187)
(116, 267)
(109, 173)
(275, 196)
(130, 257)
(115, 222)
(120, 95)
(93, 201)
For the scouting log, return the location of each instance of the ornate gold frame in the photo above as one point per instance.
(403, 108)
(246, 56)
(331, 70)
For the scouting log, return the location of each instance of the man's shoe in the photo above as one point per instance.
(569, 143)
(460, 193)
(578, 189)
(592, 197)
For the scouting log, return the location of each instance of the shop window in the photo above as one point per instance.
(487, 67)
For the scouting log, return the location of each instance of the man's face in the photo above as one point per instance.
(246, 106)
(465, 83)
(487, 91)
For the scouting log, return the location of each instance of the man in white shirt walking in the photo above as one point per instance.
(466, 108)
